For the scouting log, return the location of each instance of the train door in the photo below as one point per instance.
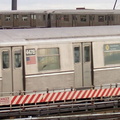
(91, 20)
(82, 64)
(74, 20)
(49, 20)
(59, 20)
(109, 19)
(15, 20)
(33, 20)
(0, 21)
(12, 69)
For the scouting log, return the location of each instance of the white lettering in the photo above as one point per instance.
(30, 52)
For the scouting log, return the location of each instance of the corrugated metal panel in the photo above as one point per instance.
(14, 4)
(22, 35)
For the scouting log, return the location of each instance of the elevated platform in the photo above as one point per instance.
(60, 102)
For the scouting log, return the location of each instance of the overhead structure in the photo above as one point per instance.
(115, 4)
(14, 4)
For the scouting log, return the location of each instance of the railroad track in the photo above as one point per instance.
(106, 114)
(82, 107)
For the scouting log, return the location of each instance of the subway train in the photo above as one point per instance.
(38, 59)
(58, 18)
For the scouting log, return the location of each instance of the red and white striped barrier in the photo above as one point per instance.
(63, 96)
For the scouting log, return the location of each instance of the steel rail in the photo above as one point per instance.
(59, 108)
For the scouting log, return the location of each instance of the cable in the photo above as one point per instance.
(115, 4)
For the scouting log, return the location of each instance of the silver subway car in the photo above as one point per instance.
(58, 18)
(58, 58)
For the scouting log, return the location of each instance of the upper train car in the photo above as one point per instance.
(58, 18)
(23, 19)
(58, 58)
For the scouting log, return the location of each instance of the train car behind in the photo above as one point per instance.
(58, 18)
(23, 19)
(73, 18)
(58, 58)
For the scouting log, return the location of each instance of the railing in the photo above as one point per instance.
(86, 99)
(114, 85)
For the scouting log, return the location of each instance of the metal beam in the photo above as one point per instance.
(115, 4)
(14, 4)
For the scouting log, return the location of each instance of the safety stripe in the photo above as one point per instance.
(62, 96)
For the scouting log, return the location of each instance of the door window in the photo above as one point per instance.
(5, 59)
(33, 17)
(17, 59)
(101, 18)
(16, 16)
(76, 54)
(87, 53)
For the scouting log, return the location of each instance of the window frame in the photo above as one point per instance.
(101, 18)
(7, 59)
(49, 55)
(25, 18)
(87, 58)
(78, 56)
(17, 51)
(66, 18)
(108, 49)
(83, 18)
(7, 18)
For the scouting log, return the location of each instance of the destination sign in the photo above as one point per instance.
(111, 47)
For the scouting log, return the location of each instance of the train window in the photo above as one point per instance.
(66, 17)
(33, 17)
(112, 18)
(16, 16)
(74, 17)
(7, 17)
(51, 17)
(24, 17)
(76, 54)
(92, 17)
(100, 18)
(112, 54)
(86, 53)
(109, 18)
(48, 59)
(83, 18)
(5, 59)
(44, 17)
(17, 59)
(58, 17)
(40, 17)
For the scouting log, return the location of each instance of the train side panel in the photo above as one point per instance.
(7, 20)
(116, 19)
(106, 56)
(0, 21)
(53, 20)
(24, 20)
(0, 73)
(81, 20)
(52, 67)
(41, 20)
(61, 20)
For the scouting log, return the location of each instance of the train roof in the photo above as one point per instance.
(61, 11)
(25, 36)
(21, 11)
(86, 11)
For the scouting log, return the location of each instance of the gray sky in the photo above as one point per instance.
(59, 4)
